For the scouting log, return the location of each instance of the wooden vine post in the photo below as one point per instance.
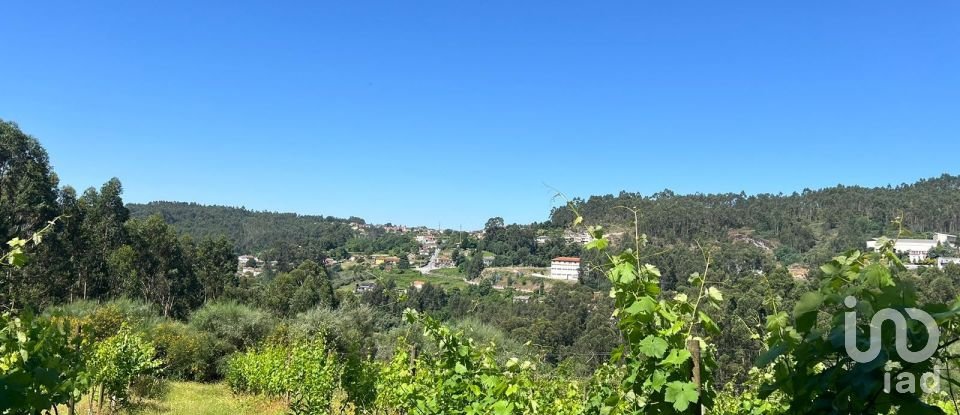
(693, 346)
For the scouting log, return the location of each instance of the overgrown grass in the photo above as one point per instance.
(188, 398)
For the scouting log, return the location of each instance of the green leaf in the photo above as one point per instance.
(644, 305)
(770, 355)
(676, 357)
(714, 294)
(17, 243)
(657, 380)
(652, 346)
(830, 268)
(681, 394)
(805, 312)
(503, 408)
(17, 258)
(651, 270)
(625, 273)
(598, 244)
(708, 323)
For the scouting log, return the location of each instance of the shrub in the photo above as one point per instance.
(304, 372)
(119, 362)
(101, 321)
(188, 353)
(41, 363)
(239, 326)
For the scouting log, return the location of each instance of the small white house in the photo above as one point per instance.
(565, 268)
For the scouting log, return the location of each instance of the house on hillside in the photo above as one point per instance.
(917, 249)
(488, 260)
(521, 299)
(944, 261)
(242, 260)
(364, 287)
(572, 237)
(565, 268)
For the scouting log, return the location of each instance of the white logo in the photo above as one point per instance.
(906, 383)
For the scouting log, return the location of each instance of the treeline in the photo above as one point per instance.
(804, 227)
(516, 244)
(94, 250)
(286, 237)
(252, 231)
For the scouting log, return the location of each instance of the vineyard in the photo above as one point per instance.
(110, 357)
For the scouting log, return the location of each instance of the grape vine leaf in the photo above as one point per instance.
(652, 346)
(681, 394)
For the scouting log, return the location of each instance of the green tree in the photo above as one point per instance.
(155, 266)
(299, 290)
(214, 264)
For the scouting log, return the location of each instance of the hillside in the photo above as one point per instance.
(801, 227)
(252, 231)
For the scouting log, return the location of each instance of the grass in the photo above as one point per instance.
(448, 272)
(406, 279)
(189, 398)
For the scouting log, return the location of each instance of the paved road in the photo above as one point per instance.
(431, 264)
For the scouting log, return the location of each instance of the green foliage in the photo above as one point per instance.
(119, 361)
(807, 349)
(187, 353)
(664, 337)
(748, 399)
(304, 372)
(237, 326)
(299, 290)
(42, 363)
(806, 227)
(462, 378)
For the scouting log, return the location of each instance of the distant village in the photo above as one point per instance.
(430, 258)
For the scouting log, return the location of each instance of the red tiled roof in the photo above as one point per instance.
(567, 259)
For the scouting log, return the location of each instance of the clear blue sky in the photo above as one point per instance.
(451, 112)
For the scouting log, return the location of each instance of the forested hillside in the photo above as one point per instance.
(805, 227)
(252, 231)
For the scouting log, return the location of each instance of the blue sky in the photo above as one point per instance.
(446, 112)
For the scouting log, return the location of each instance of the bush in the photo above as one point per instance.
(101, 321)
(304, 372)
(238, 326)
(188, 353)
(120, 362)
(41, 363)
(346, 330)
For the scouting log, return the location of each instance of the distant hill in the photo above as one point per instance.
(800, 226)
(252, 231)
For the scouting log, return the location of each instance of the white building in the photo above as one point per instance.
(942, 262)
(565, 268)
(917, 249)
(243, 259)
(577, 237)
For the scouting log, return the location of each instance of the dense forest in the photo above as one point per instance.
(806, 227)
(691, 306)
(251, 231)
